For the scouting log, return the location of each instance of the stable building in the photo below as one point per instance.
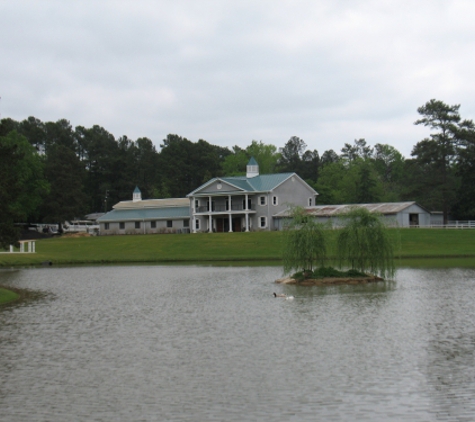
(394, 214)
(138, 216)
(223, 204)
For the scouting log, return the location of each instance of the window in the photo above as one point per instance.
(197, 224)
(309, 202)
(186, 223)
(197, 204)
(106, 226)
(274, 200)
(153, 224)
(137, 224)
(122, 226)
(262, 200)
(169, 223)
(263, 222)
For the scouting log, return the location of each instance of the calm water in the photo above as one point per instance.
(191, 343)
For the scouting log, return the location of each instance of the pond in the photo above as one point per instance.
(205, 343)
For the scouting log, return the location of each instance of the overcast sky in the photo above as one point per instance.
(328, 71)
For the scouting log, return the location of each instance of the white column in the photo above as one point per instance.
(22, 247)
(230, 216)
(34, 246)
(11, 248)
(192, 217)
(210, 208)
(246, 210)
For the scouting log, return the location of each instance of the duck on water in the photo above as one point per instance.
(283, 296)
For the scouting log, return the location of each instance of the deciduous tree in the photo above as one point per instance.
(304, 243)
(364, 243)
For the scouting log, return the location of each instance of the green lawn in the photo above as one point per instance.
(263, 246)
(7, 296)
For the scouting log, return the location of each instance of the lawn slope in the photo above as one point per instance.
(255, 246)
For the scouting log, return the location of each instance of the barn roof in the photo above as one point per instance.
(384, 208)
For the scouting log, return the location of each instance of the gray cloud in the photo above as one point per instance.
(230, 72)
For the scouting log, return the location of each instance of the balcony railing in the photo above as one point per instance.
(224, 208)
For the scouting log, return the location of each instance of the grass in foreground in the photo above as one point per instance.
(7, 296)
(254, 246)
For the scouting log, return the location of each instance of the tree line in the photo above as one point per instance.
(52, 172)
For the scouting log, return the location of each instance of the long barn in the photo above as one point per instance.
(398, 214)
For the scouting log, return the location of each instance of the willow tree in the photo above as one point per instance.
(304, 243)
(364, 243)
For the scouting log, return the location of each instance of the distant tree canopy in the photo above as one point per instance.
(266, 156)
(439, 175)
(440, 159)
(22, 184)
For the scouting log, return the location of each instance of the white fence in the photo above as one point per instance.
(455, 224)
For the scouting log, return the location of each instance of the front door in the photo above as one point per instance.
(237, 224)
(222, 225)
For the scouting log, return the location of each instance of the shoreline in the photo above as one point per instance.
(328, 281)
(67, 262)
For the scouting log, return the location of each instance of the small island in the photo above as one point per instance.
(362, 245)
(328, 276)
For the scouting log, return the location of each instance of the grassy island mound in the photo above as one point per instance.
(328, 275)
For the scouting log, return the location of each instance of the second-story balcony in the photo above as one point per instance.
(225, 208)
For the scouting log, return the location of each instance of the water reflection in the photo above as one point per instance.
(212, 343)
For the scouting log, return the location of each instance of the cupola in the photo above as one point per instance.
(252, 169)
(137, 196)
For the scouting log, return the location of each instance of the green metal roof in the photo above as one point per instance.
(261, 183)
(145, 214)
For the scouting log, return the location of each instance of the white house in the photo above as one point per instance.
(244, 203)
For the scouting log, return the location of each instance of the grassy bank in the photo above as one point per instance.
(264, 246)
(7, 296)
